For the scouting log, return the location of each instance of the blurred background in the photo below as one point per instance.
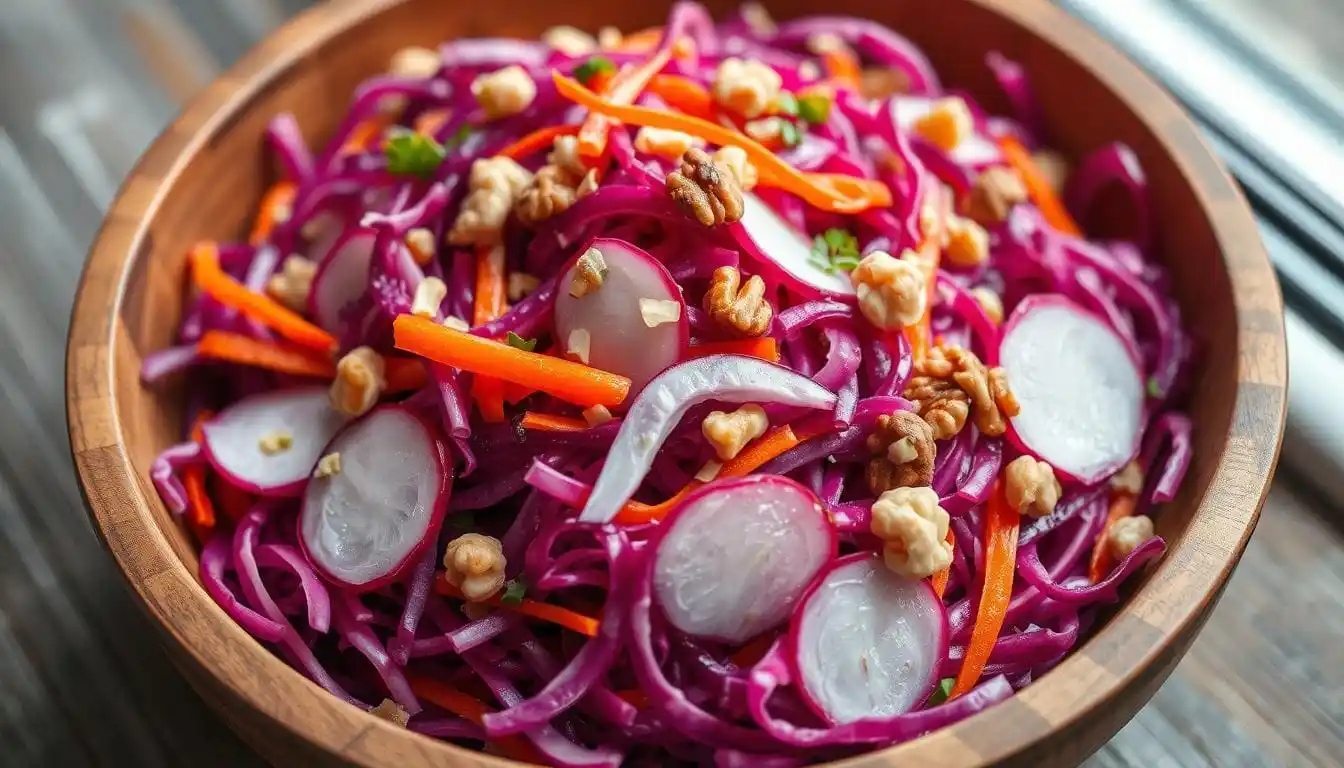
(87, 84)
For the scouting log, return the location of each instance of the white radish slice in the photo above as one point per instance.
(342, 277)
(620, 339)
(867, 642)
(737, 554)
(233, 439)
(361, 526)
(726, 378)
(1079, 385)
(975, 150)
(772, 240)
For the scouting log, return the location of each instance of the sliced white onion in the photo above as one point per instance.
(342, 277)
(975, 150)
(233, 439)
(788, 249)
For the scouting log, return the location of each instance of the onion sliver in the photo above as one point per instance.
(233, 439)
(737, 554)
(363, 525)
(775, 242)
(867, 642)
(727, 378)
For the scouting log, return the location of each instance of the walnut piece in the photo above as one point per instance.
(276, 442)
(1126, 534)
(746, 87)
(993, 194)
(569, 40)
(359, 382)
(742, 308)
(564, 155)
(967, 243)
(474, 563)
(590, 270)
(429, 295)
(420, 242)
(905, 452)
(913, 530)
(947, 124)
(597, 415)
(1129, 479)
(520, 284)
(547, 196)
(709, 196)
(504, 92)
(990, 302)
(656, 312)
(882, 83)
(1053, 166)
(415, 63)
(891, 291)
(1031, 486)
(493, 186)
(730, 432)
(665, 143)
(940, 403)
(292, 284)
(952, 381)
(734, 160)
(392, 712)
(328, 466)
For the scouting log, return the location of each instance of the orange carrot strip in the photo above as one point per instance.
(404, 374)
(930, 253)
(540, 139)
(229, 292)
(1001, 524)
(283, 358)
(624, 88)
(842, 66)
(279, 196)
(547, 422)
(565, 379)
(829, 192)
(684, 95)
(555, 614)
(1038, 186)
(764, 348)
(516, 393)
(199, 505)
(939, 579)
(363, 135)
(429, 122)
(643, 40)
(1122, 505)
(471, 708)
(490, 293)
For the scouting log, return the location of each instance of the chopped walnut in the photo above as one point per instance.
(292, 284)
(1031, 486)
(504, 92)
(734, 160)
(709, 471)
(392, 712)
(947, 123)
(913, 530)
(809, 72)
(1126, 534)
(730, 432)
(564, 155)
(883, 83)
(420, 242)
(665, 143)
(993, 194)
(429, 296)
(707, 195)
(904, 444)
(967, 243)
(609, 37)
(767, 130)
(891, 291)
(415, 62)
(359, 382)
(328, 466)
(456, 323)
(569, 40)
(1129, 479)
(656, 312)
(494, 184)
(588, 186)
(547, 196)
(821, 43)
(985, 390)
(741, 307)
(474, 563)
(590, 270)
(521, 284)
(940, 403)
(276, 442)
(1053, 167)
(746, 87)
(597, 415)
(990, 302)
(579, 344)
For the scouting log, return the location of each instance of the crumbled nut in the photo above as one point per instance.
(493, 186)
(429, 295)
(1126, 534)
(746, 87)
(767, 130)
(456, 323)
(940, 403)
(967, 243)
(730, 432)
(1030, 486)
(891, 292)
(588, 186)
(913, 530)
(1129, 479)
(597, 415)
(986, 390)
(905, 451)
(822, 43)
(1053, 167)
(707, 195)
(275, 442)
(415, 62)
(589, 271)
(734, 160)
(328, 466)
(474, 563)
(709, 471)
(740, 307)
(420, 242)
(359, 382)
(993, 194)
(990, 302)
(809, 72)
(282, 212)
(579, 344)
(656, 312)
(392, 712)
(564, 155)
(292, 284)
(665, 143)
(504, 92)
(569, 40)
(609, 37)
(547, 196)
(947, 123)
(758, 19)
(521, 284)
(883, 83)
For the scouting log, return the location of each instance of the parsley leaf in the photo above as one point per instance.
(593, 67)
(789, 133)
(1154, 390)
(786, 104)
(413, 154)
(518, 342)
(514, 591)
(836, 249)
(941, 693)
(815, 108)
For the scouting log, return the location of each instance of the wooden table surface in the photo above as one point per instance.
(82, 679)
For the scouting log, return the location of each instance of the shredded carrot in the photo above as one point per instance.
(469, 707)
(565, 379)
(1001, 524)
(764, 348)
(273, 356)
(1038, 185)
(279, 197)
(555, 614)
(404, 374)
(199, 506)
(487, 391)
(540, 139)
(624, 88)
(842, 66)
(829, 192)
(683, 94)
(643, 40)
(361, 138)
(930, 253)
(229, 292)
(1122, 505)
(939, 579)
(430, 121)
(546, 422)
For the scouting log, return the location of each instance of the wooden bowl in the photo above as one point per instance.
(203, 177)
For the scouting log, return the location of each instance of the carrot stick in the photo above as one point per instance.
(279, 196)
(829, 192)
(764, 348)
(842, 66)
(1122, 505)
(283, 358)
(565, 379)
(199, 505)
(546, 422)
(1001, 524)
(931, 254)
(643, 40)
(624, 88)
(487, 391)
(404, 374)
(939, 579)
(540, 139)
(471, 708)
(1038, 186)
(229, 292)
(683, 94)
(363, 135)
(555, 614)
(429, 122)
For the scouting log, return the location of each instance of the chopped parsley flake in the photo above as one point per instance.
(815, 108)
(593, 67)
(518, 342)
(836, 249)
(413, 154)
(514, 592)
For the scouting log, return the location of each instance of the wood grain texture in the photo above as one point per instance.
(191, 183)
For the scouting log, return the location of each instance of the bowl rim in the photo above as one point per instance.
(116, 495)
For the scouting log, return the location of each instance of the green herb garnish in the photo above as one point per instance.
(786, 104)
(593, 67)
(518, 342)
(1154, 390)
(789, 134)
(815, 108)
(514, 592)
(836, 249)
(413, 154)
(941, 693)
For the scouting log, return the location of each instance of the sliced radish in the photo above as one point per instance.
(342, 277)
(1079, 385)
(975, 150)
(736, 555)
(867, 642)
(233, 439)
(773, 241)
(617, 316)
(361, 526)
